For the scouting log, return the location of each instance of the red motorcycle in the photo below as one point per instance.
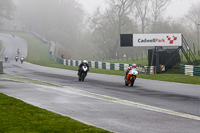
(131, 77)
(22, 59)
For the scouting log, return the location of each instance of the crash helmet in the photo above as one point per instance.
(85, 61)
(134, 65)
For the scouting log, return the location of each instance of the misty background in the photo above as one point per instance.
(96, 36)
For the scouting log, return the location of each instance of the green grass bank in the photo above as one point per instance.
(19, 117)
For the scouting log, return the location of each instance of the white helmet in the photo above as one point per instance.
(84, 61)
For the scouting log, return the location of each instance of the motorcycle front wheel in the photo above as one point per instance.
(83, 76)
(126, 84)
(132, 81)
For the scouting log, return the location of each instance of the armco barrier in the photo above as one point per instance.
(100, 65)
(149, 69)
(92, 64)
(60, 60)
(77, 63)
(67, 63)
(190, 70)
(116, 66)
(103, 65)
(89, 63)
(182, 69)
(112, 66)
(196, 70)
(106, 65)
(96, 65)
(71, 63)
(64, 62)
(121, 67)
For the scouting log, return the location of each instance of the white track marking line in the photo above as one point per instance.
(125, 102)
(120, 101)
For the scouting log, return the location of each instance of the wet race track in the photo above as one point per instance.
(103, 100)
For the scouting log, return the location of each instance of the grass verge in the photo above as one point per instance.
(19, 117)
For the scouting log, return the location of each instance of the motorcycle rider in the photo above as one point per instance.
(84, 62)
(6, 58)
(16, 58)
(18, 51)
(130, 68)
(22, 59)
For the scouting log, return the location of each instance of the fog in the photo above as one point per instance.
(94, 34)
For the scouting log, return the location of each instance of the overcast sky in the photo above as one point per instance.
(177, 8)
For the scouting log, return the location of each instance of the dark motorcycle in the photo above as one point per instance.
(16, 58)
(6, 58)
(83, 73)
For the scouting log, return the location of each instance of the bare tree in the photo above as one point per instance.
(142, 7)
(122, 8)
(158, 7)
(194, 15)
(110, 24)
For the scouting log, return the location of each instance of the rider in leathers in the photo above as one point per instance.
(84, 62)
(129, 68)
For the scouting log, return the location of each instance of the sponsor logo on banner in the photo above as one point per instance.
(157, 39)
(171, 40)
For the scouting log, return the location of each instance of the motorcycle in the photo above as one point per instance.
(131, 77)
(22, 59)
(18, 51)
(83, 73)
(6, 58)
(16, 58)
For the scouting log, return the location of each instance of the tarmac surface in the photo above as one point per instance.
(103, 100)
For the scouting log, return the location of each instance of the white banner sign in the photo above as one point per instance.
(157, 39)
